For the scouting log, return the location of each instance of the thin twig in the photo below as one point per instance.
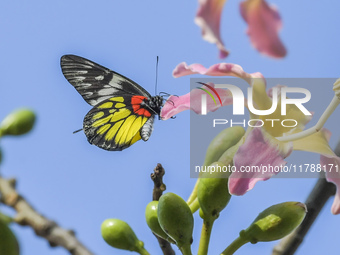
(316, 200)
(159, 187)
(28, 216)
(157, 178)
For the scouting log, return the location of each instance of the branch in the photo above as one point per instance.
(159, 187)
(28, 216)
(316, 200)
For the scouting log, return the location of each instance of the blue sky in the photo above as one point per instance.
(79, 185)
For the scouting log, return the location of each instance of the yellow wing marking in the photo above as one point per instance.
(136, 138)
(112, 110)
(118, 115)
(121, 114)
(103, 129)
(120, 105)
(112, 132)
(98, 115)
(122, 133)
(131, 127)
(117, 99)
(102, 121)
(134, 128)
(106, 105)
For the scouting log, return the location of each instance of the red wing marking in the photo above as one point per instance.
(136, 106)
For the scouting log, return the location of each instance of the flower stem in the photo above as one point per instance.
(327, 113)
(205, 237)
(234, 246)
(186, 250)
(193, 194)
(142, 251)
(194, 206)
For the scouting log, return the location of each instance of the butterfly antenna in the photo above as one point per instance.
(77, 131)
(156, 75)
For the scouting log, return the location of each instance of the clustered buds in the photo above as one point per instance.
(171, 218)
(151, 217)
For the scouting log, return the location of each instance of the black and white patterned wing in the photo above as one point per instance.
(96, 83)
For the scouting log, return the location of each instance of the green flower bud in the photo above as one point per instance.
(275, 222)
(5, 218)
(18, 122)
(223, 141)
(119, 234)
(152, 221)
(227, 158)
(176, 219)
(213, 193)
(8, 242)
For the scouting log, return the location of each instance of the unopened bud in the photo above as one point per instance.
(8, 242)
(175, 218)
(119, 234)
(275, 222)
(151, 218)
(222, 142)
(18, 122)
(212, 193)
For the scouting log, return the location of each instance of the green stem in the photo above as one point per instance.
(205, 237)
(193, 194)
(194, 206)
(234, 246)
(142, 251)
(186, 250)
(318, 126)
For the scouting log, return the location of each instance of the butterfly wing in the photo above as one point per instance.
(96, 83)
(118, 122)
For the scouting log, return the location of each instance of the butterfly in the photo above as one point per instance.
(123, 112)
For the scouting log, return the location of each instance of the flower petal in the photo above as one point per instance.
(259, 150)
(264, 23)
(208, 18)
(221, 69)
(317, 143)
(177, 104)
(332, 165)
(263, 101)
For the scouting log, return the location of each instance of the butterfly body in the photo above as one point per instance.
(123, 112)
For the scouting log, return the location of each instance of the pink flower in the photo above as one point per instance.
(175, 104)
(265, 145)
(264, 23)
(332, 164)
(208, 17)
(258, 152)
